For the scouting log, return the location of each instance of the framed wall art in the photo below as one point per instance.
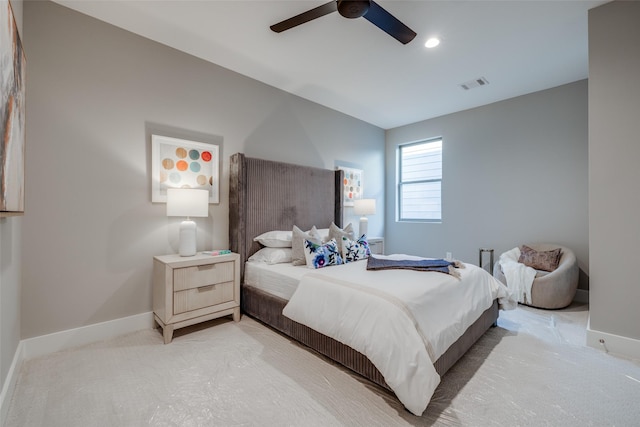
(352, 185)
(12, 114)
(179, 163)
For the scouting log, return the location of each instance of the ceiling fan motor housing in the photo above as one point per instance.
(353, 9)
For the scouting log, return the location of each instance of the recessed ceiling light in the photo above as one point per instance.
(432, 42)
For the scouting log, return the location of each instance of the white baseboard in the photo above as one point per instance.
(581, 296)
(615, 344)
(10, 383)
(46, 344)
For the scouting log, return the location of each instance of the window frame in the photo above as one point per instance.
(400, 183)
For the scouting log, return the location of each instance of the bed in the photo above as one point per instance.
(267, 195)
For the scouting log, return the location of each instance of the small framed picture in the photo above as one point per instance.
(179, 163)
(352, 185)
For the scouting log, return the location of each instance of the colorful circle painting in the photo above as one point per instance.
(352, 184)
(184, 164)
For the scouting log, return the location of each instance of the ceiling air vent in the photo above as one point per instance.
(480, 81)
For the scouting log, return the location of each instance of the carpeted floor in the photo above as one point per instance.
(532, 370)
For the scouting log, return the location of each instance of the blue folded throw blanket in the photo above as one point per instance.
(438, 265)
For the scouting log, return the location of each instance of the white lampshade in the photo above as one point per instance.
(187, 202)
(364, 207)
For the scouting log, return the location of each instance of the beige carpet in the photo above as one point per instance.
(532, 370)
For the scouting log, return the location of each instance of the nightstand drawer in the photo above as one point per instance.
(204, 296)
(202, 275)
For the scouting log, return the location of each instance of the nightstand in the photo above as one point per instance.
(190, 290)
(376, 244)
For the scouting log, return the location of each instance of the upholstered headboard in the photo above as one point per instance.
(265, 195)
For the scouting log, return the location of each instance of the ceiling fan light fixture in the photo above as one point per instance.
(432, 42)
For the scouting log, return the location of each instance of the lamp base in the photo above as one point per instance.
(364, 225)
(187, 238)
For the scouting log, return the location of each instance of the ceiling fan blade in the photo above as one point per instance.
(307, 16)
(389, 23)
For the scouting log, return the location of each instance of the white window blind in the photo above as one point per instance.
(420, 180)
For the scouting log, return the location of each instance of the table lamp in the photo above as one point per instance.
(364, 207)
(187, 202)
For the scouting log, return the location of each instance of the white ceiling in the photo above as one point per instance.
(352, 66)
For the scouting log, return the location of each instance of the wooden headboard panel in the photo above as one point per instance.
(265, 195)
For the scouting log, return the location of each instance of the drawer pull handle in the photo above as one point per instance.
(206, 288)
(206, 267)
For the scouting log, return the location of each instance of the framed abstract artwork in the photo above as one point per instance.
(352, 185)
(179, 163)
(12, 114)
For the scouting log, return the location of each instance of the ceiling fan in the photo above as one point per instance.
(369, 10)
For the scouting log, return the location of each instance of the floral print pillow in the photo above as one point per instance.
(319, 256)
(355, 250)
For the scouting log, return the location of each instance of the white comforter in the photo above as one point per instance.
(402, 320)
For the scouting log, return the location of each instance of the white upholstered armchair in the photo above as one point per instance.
(555, 289)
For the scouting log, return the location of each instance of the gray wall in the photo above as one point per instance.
(95, 95)
(513, 172)
(614, 152)
(10, 265)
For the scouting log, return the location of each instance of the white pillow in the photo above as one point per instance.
(275, 239)
(272, 255)
(338, 233)
(299, 238)
(324, 234)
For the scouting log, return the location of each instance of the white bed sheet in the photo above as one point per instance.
(276, 279)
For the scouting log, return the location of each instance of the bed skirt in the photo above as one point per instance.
(268, 308)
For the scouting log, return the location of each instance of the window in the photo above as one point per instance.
(419, 181)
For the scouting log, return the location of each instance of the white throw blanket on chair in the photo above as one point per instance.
(519, 276)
